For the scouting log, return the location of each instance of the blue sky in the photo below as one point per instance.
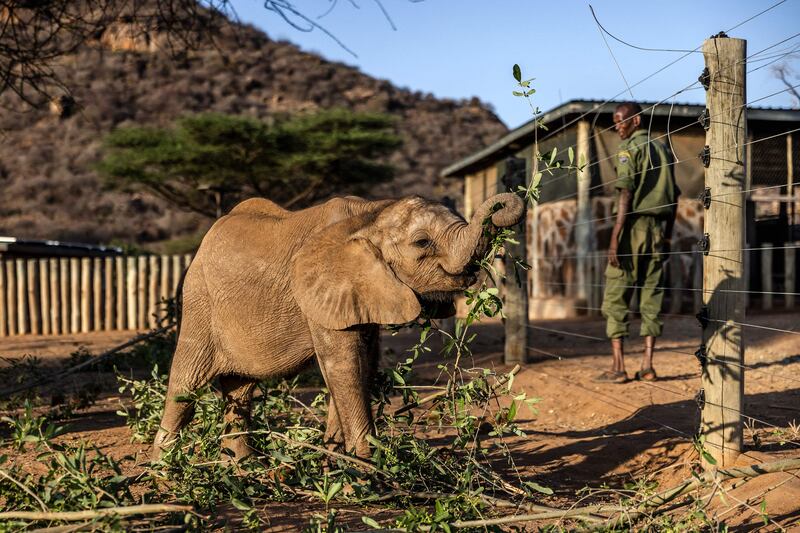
(465, 48)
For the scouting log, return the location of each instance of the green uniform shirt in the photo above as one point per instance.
(645, 169)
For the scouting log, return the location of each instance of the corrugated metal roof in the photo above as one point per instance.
(512, 140)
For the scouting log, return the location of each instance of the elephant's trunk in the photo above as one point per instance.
(499, 211)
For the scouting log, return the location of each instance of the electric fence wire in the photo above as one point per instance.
(743, 324)
(681, 394)
(671, 350)
(708, 253)
(774, 58)
(619, 67)
(604, 30)
(636, 411)
(651, 108)
(668, 134)
(742, 23)
(689, 289)
(740, 145)
(787, 39)
(710, 197)
(614, 399)
(600, 105)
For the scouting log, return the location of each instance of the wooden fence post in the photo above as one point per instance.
(34, 310)
(75, 294)
(164, 271)
(723, 269)
(86, 294)
(164, 281)
(63, 265)
(108, 291)
(766, 275)
(152, 298)
(55, 300)
(11, 296)
(22, 298)
(789, 270)
(97, 294)
(130, 296)
(141, 292)
(515, 284)
(583, 215)
(177, 270)
(697, 278)
(119, 268)
(3, 305)
(44, 295)
(790, 187)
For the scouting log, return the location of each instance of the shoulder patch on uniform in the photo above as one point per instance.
(624, 156)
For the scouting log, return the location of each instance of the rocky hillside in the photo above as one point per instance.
(46, 156)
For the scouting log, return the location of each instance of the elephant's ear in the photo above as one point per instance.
(341, 284)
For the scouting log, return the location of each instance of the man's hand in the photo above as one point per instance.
(623, 206)
(613, 260)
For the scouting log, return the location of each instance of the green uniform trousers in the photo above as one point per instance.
(640, 265)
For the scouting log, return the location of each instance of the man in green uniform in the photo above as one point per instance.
(647, 200)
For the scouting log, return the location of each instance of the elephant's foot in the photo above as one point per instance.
(163, 441)
(333, 438)
(237, 449)
(362, 450)
(360, 446)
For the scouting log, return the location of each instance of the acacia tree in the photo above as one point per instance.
(205, 163)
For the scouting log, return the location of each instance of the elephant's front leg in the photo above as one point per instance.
(341, 358)
(334, 437)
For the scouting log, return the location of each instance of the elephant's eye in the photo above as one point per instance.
(422, 243)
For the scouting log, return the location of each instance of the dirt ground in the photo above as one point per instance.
(585, 433)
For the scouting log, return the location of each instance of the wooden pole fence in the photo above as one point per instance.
(60, 296)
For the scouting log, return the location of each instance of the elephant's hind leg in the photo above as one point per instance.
(237, 392)
(192, 367)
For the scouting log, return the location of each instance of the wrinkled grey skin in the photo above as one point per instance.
(269, 289)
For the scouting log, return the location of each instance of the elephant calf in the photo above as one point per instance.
(269, 289)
